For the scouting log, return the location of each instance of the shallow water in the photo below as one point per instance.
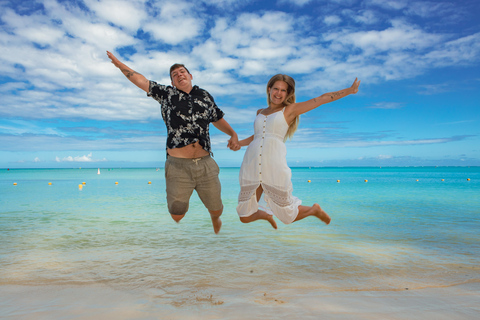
(390, 233)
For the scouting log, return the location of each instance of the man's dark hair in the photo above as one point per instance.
(176, 66)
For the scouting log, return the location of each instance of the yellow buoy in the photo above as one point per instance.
(366, 180)
(116, 182)
(338, 180)
(468, 179)
(309, 181)
(417, 179)
(84, 183)
(14, 183)
(443, 179)
(149, 182)
(49, 183)
(80, 186)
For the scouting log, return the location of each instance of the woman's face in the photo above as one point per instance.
(278, 92)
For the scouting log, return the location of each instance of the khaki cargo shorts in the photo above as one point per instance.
(182, 176)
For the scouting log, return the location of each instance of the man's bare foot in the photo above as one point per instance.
(217, 224)
(272, 221)
(320, 214)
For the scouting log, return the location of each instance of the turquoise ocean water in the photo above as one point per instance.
(404, 228)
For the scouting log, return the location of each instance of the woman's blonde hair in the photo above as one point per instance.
(292, 127)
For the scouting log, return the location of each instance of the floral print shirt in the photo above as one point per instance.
(186, 115)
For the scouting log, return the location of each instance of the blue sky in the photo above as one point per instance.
(63, 104)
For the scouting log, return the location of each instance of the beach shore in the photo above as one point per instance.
(97, 301)
(394, 250)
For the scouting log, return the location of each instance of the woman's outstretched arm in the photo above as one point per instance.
(297, 109)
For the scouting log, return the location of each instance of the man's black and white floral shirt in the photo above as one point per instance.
(186, 115)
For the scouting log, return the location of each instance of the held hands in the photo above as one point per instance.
(233, 143)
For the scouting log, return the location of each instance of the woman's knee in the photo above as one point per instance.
(245, 219)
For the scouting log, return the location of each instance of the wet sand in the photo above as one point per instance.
(95, 301)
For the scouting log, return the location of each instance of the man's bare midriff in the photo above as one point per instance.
(191, 151)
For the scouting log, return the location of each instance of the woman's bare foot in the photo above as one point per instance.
(260, 215)
(272, 221)
(320, 214)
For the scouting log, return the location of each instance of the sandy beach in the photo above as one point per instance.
(97, 301)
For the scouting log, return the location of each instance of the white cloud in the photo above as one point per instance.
(295, 2)
(305, 141)
(366, 17)
(29, 29)
(176, 22)
(84, 158)
(400, 36)
(384, 156)
(332, 20)
(227, 4)
(259, 42)
(389, 4)
(43, 35)
(386, 105)
(458, 51)
(127, 14)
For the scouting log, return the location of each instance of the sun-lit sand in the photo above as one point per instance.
(103, 302)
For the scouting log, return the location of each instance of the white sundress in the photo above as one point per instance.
(265, 163)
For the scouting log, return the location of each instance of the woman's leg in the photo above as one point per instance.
(315, 210)
(260, 214)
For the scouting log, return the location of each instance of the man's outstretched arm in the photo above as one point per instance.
(135, 77)
(225, 127)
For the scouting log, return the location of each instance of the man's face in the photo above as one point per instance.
(181, 78)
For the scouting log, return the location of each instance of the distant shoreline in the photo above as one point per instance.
(293, 167)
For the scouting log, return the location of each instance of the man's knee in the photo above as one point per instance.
(215, 213)
(177, 210)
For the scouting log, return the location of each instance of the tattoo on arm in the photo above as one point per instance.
(129, 73)
(337, 94)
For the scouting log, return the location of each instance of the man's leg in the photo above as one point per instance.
(179, 187)
(209, 190)
(177, 217)
(216, 221)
